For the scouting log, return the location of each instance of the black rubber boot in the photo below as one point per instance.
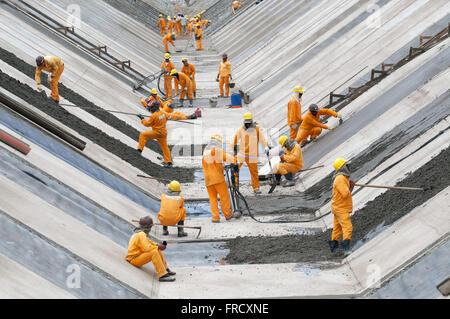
(195, 95)
(334, 244)
(193, 116)
(167, 277)
(170, 272)
(165, 230)
(191, 102)
(289, 180)
(168, 165)
(278, 178)
(346, 246)
(181, 233)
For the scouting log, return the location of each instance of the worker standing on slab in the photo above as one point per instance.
(294, 115)
(189, 70)
(152, 97)
(342, 206)
(212, 162)
(189, 27)
(249, 136)
(199, 36)
(291, 161)
(53, 65)
(168, 108)
(162, 25)
(157, 122)
(311, 127)
(224, 75)
(236, 5)
(168, 38)
(185, 86)
(172, 210)
(169, 25)
(178, 24)
(141, 250)
(167, 66)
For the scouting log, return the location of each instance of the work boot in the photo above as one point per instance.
(165, 230)
(198, 112)
(346, 246)
(193, 116)
(257, 192)
(181, 233)
(181, 102)
(278, 178)
(139, 151)
(171, 273)
(289, 180)
(195, 95)
(167, 165)
(191, 102)
(167, 277)
(334, 244)
(216, 221)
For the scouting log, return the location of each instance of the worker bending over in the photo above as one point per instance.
(53, 65)
(141, 250)
(311, 127)
(236, 5)
(152, 97)
(162, 25)
(224, 75)
(212, 161)
(294, 116)
(185, 86)
(189, 70)
(342, 206)
(157, 122)
(168, 108)
(168, 38)
(291, 161)
(248, 137)
(167, 66)
(172, 210)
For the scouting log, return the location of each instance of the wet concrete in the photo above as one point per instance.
(384, 210)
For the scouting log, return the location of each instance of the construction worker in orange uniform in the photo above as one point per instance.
(212, 162)
(167, 66)
(206, 23)
(185, 86)
(291, 161)
(169, 25)
(168, 108)
(342, 206)
(53, 65)
(177, 20)
(294, 114)
(311, 126)
(249, 136)
(172, 210)
(152, 97)
(168, 38)
(199, 36)
(224, 75)
(189, 70)
(162, 25)
(141, 250)
(157, 122)
(189, 27)
(236, 5)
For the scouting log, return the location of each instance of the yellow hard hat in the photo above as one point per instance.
(298, 89)
(174, 186)
(186, 17)
(183, 59)
(168, 17)
(173, 34)
(154, 91)
(167, 56)
(174, 71)
(338, 163)
(160, 15)
(217, 137)
(248, 116)
(282, 140)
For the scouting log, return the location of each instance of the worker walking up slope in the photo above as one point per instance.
(141, 250)
(172, 210)
(53, 65)
(162, 25)
(212, 162)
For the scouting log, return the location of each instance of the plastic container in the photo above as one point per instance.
(236, 100)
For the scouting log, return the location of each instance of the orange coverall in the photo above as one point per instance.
(293, 162)
(294, 117)
(341, 207)
(162, 26)
(55, 66)
(236, 5)
(166, 39)
(190, 72)
(248, 150)
(212, 163)
(172, 210)
(168, 66)
(224, 74)
(189, 29)
(157, 122)
(185, 86)
(178, 27)
(311, 125)
(169, 26)
(142, 250)
(199, 36)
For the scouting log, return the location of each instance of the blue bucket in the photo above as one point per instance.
(236, 100)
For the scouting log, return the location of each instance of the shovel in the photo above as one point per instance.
(191, 227)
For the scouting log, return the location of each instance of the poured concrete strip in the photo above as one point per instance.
(18, 282)
(409, 238)
(76, 237)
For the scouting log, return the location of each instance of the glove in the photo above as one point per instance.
(282, 159)
(161, 246)
(281, 153)
(339, 115)
(39, 87)
(141, 117)
(352, 185)
(331, 128)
